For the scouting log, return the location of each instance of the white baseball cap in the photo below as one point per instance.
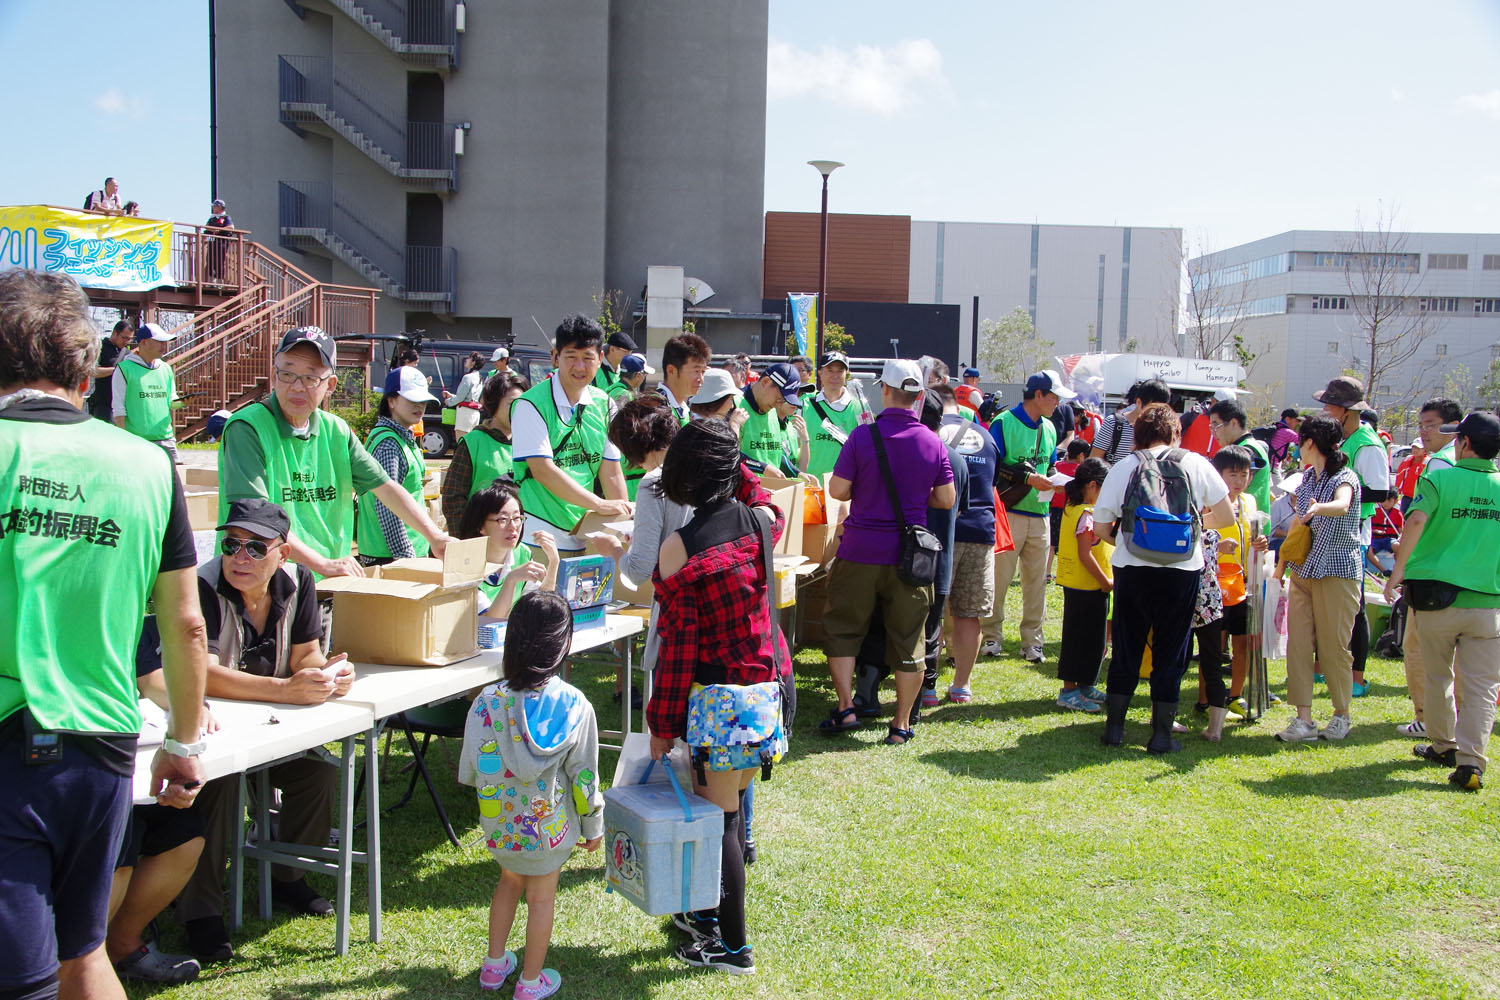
(413, 385)
(899, 373)
(500, 354)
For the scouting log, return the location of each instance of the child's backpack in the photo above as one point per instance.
(1159, 511)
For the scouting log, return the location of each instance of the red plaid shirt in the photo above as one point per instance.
(713, 611)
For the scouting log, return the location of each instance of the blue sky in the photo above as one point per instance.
(1232, 122)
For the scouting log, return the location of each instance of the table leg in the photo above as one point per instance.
(346, 846)
(372, 828)
(625, 695)
(263, 835)
(237, 857)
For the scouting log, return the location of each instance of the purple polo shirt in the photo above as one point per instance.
(919, 463)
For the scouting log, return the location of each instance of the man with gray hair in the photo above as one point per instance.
(91, 518)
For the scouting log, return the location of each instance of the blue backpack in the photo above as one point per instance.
(1159, 512)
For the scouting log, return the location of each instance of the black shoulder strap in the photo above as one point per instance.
(822, 413)
(1114, 438)
(885, 472)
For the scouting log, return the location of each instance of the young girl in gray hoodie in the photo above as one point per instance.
(531, 748)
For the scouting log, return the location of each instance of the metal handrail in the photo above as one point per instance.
(415, 22)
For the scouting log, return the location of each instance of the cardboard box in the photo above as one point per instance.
(820, 541)
(812, 605)
(785, 594)
(786, 495)
(639, 594)
(207, 479)
(203, 509)
(412, 612)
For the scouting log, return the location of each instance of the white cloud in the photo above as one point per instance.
(1487, 104)
(113, 102)
(885, 80)
(1398, 96)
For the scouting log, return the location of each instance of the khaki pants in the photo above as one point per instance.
(1416, 671)
(1320, 621)
(1033, 542)
(1465, 641)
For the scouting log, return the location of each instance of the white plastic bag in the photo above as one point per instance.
(635, 754)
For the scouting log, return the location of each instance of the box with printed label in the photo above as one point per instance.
(412, 612)
(662, 847)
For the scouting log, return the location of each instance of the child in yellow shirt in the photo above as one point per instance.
(1083, 572)
(1234, 464)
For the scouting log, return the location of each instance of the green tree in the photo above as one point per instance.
(1489, 389)
(1010, 348)
(835, 338)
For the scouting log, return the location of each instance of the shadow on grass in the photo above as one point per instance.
(1366, 781)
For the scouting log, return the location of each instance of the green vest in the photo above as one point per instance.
(827, 437)
(1462, 534)
(762, 438)
(1353, 444)
(1445, 454)
(491, 459)
(309, 477)
(578, 457)
(519, 556)
(371, 538)
(148, 399)
(613, 385)
(85, 511)
(1260, 479)
(1021, 443)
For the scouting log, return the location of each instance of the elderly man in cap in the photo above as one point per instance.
(611, 376)
(1343, 399)
(288, 450)
(1447, 563)
(864, 576)
(633, 372)
(971, 377)
(264, 633)
(1027, 439)
(764, 438)
(145, 390)
(831, 415)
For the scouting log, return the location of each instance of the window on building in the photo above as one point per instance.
(1438, 304)
(1339, 303)
(1333, 347)
(1442, 349)
(1492, 262)
(1487, 305)
(1447, 262)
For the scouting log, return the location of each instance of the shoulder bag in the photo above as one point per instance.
(920, 548)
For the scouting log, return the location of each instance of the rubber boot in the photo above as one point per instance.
(1215, 730)
(867, 678)
(1163, 714)
(1116, 705)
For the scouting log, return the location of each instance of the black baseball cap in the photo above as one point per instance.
(1479, 428)
(259, 517)
(834, 358)
(314, 335)
(621, 339)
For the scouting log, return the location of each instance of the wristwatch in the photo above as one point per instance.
(176, 749)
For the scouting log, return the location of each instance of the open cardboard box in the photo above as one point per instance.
(202, 479)
(202, 508)
(786, 495)
(412, 612)
(820, 541)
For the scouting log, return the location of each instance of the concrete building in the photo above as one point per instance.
(485, 165)
(1303, 295)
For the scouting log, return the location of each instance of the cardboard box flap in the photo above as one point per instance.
(409, 589)
(462, 565)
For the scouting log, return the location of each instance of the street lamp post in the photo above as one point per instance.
(824, 167)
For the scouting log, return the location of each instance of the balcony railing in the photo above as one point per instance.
(312, 93)
(310, 212)
(424, 31)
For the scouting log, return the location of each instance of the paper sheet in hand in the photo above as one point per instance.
(1059, 479)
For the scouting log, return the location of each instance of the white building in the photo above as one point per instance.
(1086, 288)
(1300, 295)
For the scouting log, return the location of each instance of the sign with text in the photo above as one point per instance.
(98, 251)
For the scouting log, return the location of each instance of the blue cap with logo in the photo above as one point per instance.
(786, 378)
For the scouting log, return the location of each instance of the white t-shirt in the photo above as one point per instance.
(529, 430)
(1208, 488)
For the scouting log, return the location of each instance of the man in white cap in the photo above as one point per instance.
(864, 576)
(499, 363)
(288, 450)
(1026, 437)
(145, 391)
(633, 372)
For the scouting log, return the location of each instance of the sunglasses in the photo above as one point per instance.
(256, 548)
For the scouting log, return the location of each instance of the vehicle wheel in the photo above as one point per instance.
(436, 441)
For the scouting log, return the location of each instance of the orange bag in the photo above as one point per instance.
(813, 509)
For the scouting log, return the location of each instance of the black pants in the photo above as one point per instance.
(1211, 662)
(1155, 601)
(934, 641)
(1085, 614)
(1359, 642)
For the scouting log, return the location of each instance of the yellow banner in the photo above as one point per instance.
(98, 251)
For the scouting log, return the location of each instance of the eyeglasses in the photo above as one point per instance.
(254, 547)
(305, 381)
(507, 518)
(1214, 425)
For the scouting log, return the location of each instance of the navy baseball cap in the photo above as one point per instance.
(634, 364)
(314, 335)
(971, 373)
(787, 379)
(1048, 380)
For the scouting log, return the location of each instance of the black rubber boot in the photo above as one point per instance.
(867, 678)
(1163, 714)
(1115, 708)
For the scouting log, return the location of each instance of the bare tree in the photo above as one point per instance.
(1010, 348)
(1390, 323)
(1216, 308)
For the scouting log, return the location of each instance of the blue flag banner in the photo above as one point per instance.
(804, 307)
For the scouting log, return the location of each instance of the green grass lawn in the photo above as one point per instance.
(1004, 853)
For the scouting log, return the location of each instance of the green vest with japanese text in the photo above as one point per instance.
(1021, 442)
(148, 399)
(1260, 478)
(1353, 444)
(308, 477)
(762, 438)
(828, 436)
(83, 512)
(1462, 535)
(371, 538)
(577, 451)
(491, 459)
(519, 556)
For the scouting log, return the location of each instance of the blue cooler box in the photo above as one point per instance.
(662, 847)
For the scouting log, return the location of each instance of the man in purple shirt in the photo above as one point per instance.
(1284, 436)
(864, 574)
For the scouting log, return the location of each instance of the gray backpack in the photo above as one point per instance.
(1160, 512)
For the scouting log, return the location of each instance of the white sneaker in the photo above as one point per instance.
(1032, 654)
(1299, 731)
(1338, 727)
(991, 647)
(1416, 727)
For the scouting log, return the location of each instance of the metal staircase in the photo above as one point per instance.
(422, 32)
